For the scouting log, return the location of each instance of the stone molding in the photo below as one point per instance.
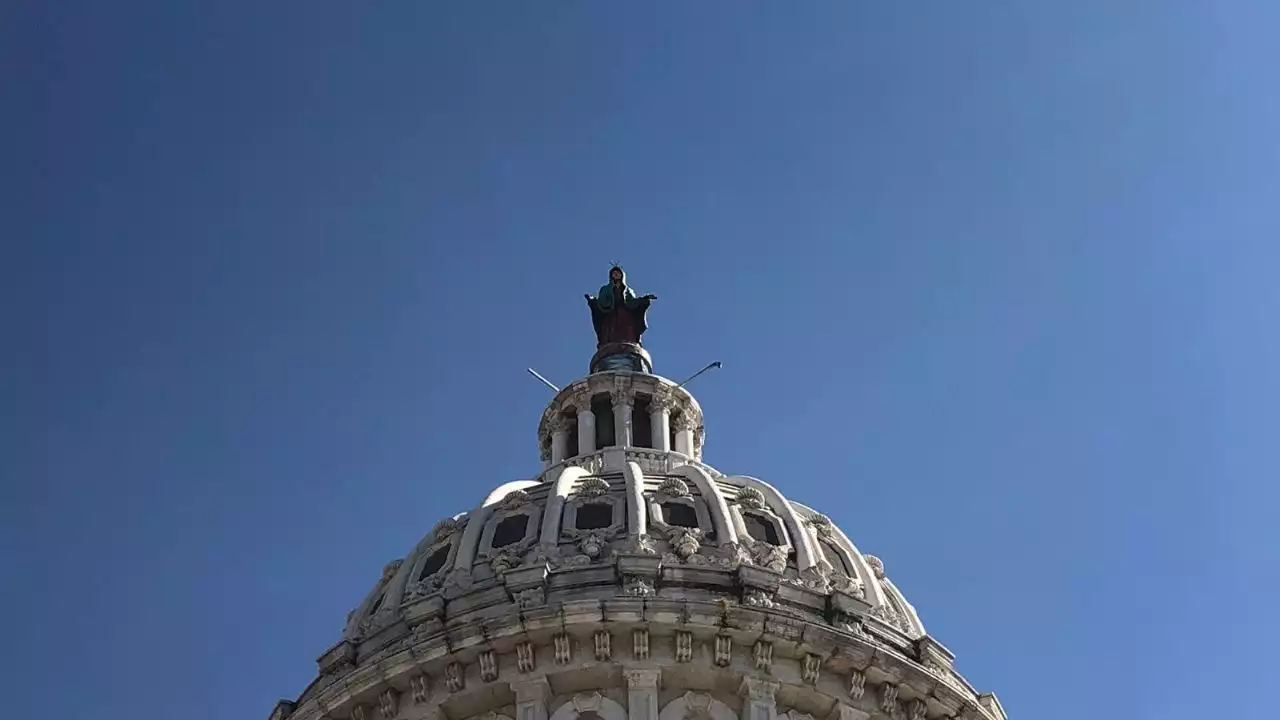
(767, 651)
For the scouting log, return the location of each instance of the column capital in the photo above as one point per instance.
(758, 688)
(684, 422)
(534, 690)
(559, 424)
(663, 401)
(642, 678)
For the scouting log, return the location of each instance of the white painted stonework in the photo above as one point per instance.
(635, 583)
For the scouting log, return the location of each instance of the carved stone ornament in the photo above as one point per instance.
(637, 586)
(419, 689)
(525, 658)
(750, 497)
(810, 666)
(514, 500)
(640, 545)
(848, 585)
(684, 646)
(674, 488)
(877, 566)
(640, 644)
(447, 528)
(724, 650)
(592, 463)
(533, 597)
(821, 524)
(559, 424)
(389, 703)
(389, 570)
(684, 422)
(889, 697)
(762, 652)
(815, 577)
(592, 486)
(488, 665)
(685, 542)
(454, 678)
(592, 546)
(603, 643)
(857, 684)
(697, 706)
(662, 401)
(769, 556)
(581, 399)
(562, 648)
(757, 598)
(587, 702)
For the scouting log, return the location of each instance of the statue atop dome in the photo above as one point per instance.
(619, 317)
(617, 313)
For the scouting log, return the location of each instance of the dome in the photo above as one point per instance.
(630, 579)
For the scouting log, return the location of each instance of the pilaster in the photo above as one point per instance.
(759, 698)
(531, 699)
(642, 692)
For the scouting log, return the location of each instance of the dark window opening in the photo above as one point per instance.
(836, 558)
(602, 407)
(680, 515)
(760, 529)
(571, 448)
(377, 603)
(593, 516)
(434, 563)
(641, 429)
(510, 531)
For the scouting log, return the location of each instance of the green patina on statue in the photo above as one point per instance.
(617, 313)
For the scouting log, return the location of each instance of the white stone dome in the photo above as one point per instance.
(635, 581)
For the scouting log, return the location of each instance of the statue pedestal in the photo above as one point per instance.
(621, 356)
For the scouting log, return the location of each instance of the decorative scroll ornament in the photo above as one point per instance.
(674, 488)
(389, 570)
(877, 566)
(758, 598)
(592, 487)
(750, 497)
(514, 500)
(848, 585)
(821, 524)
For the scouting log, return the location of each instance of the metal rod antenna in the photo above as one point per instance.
(544, 380)
(715, 364)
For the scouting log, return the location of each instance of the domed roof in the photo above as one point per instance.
(629, 579)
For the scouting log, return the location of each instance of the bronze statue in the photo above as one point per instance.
(617, 313)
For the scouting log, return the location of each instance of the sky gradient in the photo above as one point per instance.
(994, 288)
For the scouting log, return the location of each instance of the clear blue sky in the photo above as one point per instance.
(994, 285)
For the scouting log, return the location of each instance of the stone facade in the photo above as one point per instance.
(634, 582)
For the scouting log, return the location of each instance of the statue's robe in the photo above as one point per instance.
(618, 315)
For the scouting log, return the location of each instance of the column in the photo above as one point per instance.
(559, 427)
(758, 695)
(623, 402)
(642, 693)
(684, 433)
(531, 699)
(660, 419)
(586, 423)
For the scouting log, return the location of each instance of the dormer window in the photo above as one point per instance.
(510, 531)
(680, 515)
(434, 562)
(761, 529)
(593, 516)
